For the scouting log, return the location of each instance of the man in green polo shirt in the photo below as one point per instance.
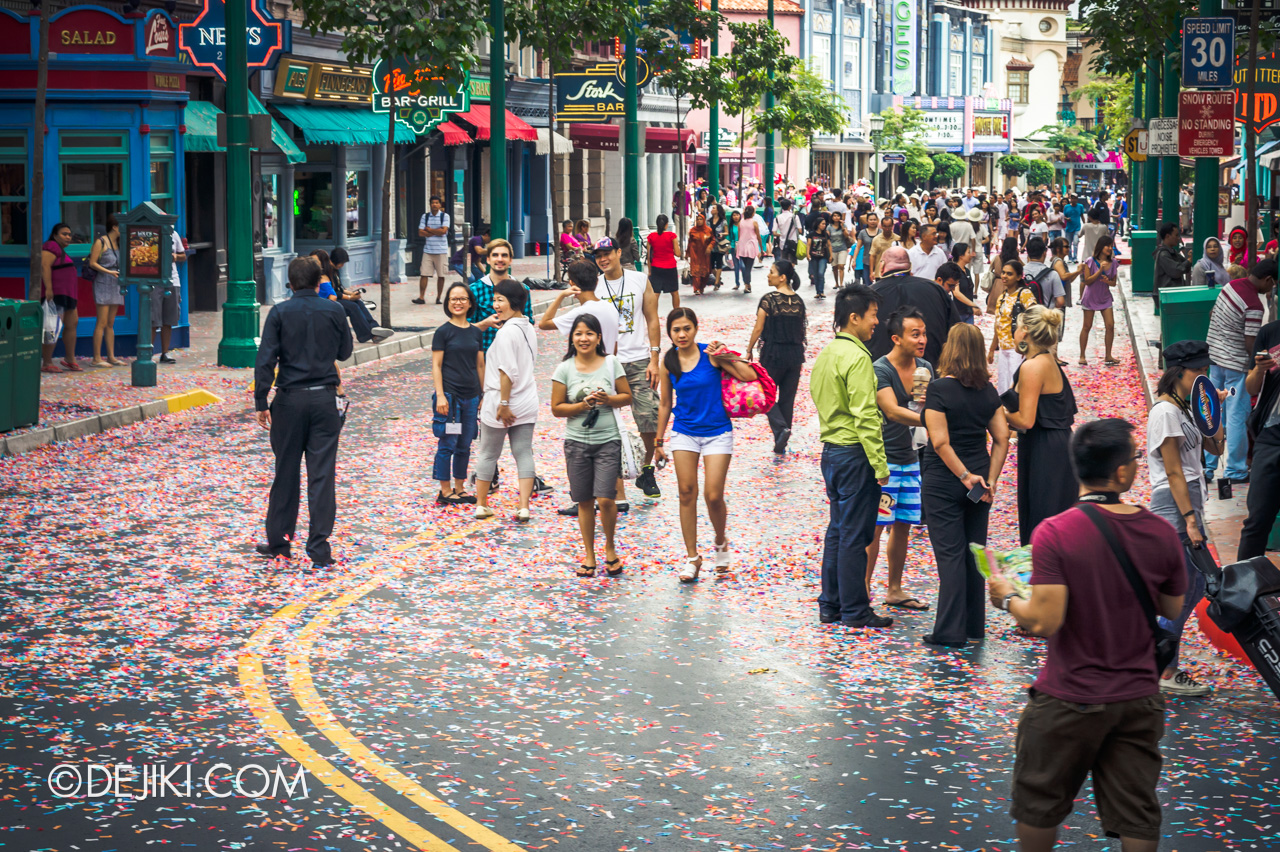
(854, 466)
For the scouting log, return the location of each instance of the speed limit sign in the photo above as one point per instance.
(1208, 52)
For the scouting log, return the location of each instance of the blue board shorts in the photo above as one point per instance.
(904, 488)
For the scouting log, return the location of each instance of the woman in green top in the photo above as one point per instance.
(735, 230)
(585, 388)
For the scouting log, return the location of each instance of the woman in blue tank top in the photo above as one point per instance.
(691, 374)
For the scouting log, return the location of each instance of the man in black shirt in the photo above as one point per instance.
(1263, 499)
(304, 336)
(898, 288)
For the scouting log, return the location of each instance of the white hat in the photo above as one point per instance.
(974, 214)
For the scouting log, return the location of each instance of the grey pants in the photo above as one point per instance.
(491, 447)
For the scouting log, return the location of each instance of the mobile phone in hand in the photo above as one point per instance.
(977, 492)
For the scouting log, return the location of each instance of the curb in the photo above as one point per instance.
(18, 444)
(1137, 350)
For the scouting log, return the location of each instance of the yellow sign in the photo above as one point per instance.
(1135, 146)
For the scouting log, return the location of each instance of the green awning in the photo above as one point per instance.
(335, 125)
(201, 118)
(291, 152)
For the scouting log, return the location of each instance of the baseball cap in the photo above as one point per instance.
(1193, 354)
(606, 244)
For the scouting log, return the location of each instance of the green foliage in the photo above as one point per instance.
(903, 126)
(1039, 172)
(1065, 141)
(1115, 99)
(807, 108)
(947, 167)
(757, 50)
(1012, 165)
(556, 28)
(672, 65)
(919, 166)
(1147, 27)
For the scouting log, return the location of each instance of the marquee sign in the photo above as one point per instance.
(595, 93)
(204, 39)
(902, 52)
(421, 96)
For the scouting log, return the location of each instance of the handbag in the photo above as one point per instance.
(440, 421)
(747, 399)
(1166, 643)
(802, 249)
(52, 321)
(632, 459)
(987, 280)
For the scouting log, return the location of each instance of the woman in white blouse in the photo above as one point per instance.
(510, 405)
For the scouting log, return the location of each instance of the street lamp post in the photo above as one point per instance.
(877, 129)
(713, 146)
(631, 126)
(497, 122)
(769, 161)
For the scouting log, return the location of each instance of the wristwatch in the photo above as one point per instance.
(658, 442)
(1004, 602)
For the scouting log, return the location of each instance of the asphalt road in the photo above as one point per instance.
(450, 684)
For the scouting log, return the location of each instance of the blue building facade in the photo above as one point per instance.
(113, 138)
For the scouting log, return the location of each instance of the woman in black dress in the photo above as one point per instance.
(960, 410)
(1042, 407)
(780, 329)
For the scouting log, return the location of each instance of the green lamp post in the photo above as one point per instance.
(239, 345)
(146, 236)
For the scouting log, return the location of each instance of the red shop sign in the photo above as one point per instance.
(159, 36)
(90, 31)
(1206, 124)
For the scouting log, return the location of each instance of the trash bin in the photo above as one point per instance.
(1142, 266)
(8, 343)
(26, 364)
(1185, 313)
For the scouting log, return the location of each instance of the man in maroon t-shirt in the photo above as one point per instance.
(1096, 707)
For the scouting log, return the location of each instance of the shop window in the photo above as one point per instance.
(957, 75)
(15, 217)
(1019, 86)
(162, 171)
(852, 77)
(94, 182)
(357, 204)
(975, 75)
(313, 205)
(820, 60)
(271, 211)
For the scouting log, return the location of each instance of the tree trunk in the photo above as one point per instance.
(554, 248)
(742, 152)
(1251, 140)
(36, 229)
(680, 178)
(384, 263)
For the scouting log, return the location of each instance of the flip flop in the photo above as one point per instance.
(611, 570)
(71, 366)
(421, 301)
(585, 571)
(906, 604)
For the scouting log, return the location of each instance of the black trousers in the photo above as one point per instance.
(361, 320)
(787, 380)
(954, 521)
(1263, 500)
(304, 422)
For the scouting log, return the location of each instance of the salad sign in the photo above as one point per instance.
(147, 233)
(422, 96)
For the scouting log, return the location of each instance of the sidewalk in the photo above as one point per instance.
(1223, 518)
(73, 405)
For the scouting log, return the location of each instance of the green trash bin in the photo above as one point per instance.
(26, 364)
(1142, 266)
(1185, 313)
(8, 344)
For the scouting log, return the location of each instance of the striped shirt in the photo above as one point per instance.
(1237, 314)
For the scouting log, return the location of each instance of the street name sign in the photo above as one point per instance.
(1208, 52)
(895, 159)
(1162, 135)
(1206, 124)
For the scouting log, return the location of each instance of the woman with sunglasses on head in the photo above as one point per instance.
(586, 388)
(693, 404)
(457, 370)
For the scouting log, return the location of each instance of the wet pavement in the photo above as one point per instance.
(451, 684)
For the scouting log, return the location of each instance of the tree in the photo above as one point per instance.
(1068, 141)
(440, 34)
(947, 167)
(1011, 165)
(1039, 173)
(1114, 102)
(758, 64)
(904, 130)
(807, 108)
(1148, 24)
(555, 29)
(919, 166)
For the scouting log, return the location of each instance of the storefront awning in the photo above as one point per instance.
(600, 137)
(545, 137)
(453, 134)
(335, 125)
(667, 140)
(201, 119)
(291, 152)
(518, 130)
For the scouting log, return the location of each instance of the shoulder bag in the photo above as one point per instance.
(1166, 644)
(749, 398)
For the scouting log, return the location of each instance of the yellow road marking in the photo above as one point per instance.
(191, 399)
(254, 684)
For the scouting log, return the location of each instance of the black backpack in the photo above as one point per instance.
(1018, 307)
(1036, 285)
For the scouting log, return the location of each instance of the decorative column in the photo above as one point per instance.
(498, 209)
(238, 347)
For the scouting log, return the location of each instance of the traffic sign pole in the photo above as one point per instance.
(1204, 220)
(713, 149)
(1151, 169)
(1135, 184)
(238, 347)
(1170, 167)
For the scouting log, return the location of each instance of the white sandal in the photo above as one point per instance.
(722, 557)
(483, 512)
(689, 570)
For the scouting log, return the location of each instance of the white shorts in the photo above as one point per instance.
(435, 264)
(715, 445)
(1007, 363)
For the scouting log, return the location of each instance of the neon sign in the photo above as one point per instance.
(204, 40)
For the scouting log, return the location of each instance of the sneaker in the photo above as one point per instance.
(873, 620)
(541, 487)
(166, 358)
(780, 443)
(1184, 684)
(570, 511)
(648, 483)
(380, 334)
